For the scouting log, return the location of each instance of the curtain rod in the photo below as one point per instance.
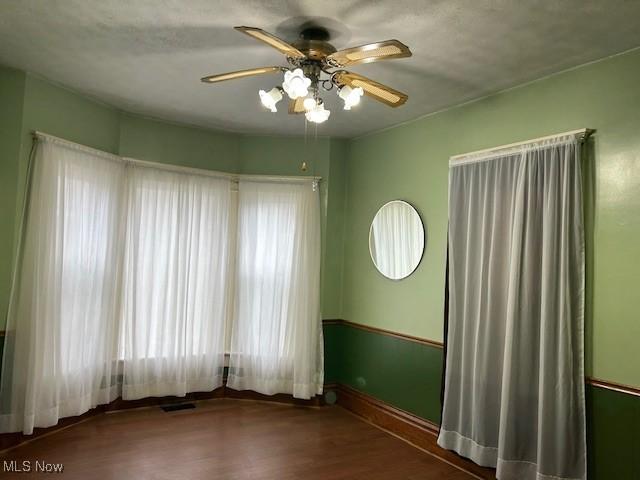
(234, 177)
(582, 134)
(77, 146)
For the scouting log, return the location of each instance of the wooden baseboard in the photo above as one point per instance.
(120, 404)
(316, 401)
(407, 426)
(11, 440)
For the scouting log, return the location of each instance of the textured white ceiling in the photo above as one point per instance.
(147, 56)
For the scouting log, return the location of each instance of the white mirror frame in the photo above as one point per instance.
(424, 240)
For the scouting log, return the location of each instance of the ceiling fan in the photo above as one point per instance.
(312, 58)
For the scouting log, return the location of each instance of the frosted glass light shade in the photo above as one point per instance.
(351, 96)
(317, 114)
(296, 84)
(309, 103)
(271, 98)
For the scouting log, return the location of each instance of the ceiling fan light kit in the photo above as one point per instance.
(351, 96)
(296, 84)
(271, 98)
(317, 113)
(313, 57)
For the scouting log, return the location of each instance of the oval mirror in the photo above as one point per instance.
(396, 240)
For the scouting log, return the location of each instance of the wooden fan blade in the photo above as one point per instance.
(241, 74)
(272, 41)
(373, 52)
(375, 90)
(296, 106)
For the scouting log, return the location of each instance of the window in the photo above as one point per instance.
(129, 286)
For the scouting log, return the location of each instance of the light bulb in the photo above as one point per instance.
(309, 103)
(351, 96)
(296, 84)
(270, 98)
(317, 114)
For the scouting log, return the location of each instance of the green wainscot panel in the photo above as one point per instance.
(613, 434)
(332, 349)
(405, 374)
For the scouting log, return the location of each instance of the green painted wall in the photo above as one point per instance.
(158, 141)
(269, 155)
(410, 162)
(334, 241)
(613, 434)
(11, 97)
(403, 373)
(63, 113)
(333, 348)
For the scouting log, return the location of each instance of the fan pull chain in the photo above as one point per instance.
(303, 166)
(315, 156)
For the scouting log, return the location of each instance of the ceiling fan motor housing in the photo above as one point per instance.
(315, 33)
(314, 43)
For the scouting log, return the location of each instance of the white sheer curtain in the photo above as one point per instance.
(122, 288)
(276, 344)
(514, 386)
(127, 279)
(62, 331)
(175, 284)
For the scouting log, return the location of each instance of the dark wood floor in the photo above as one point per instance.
(230, 440)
